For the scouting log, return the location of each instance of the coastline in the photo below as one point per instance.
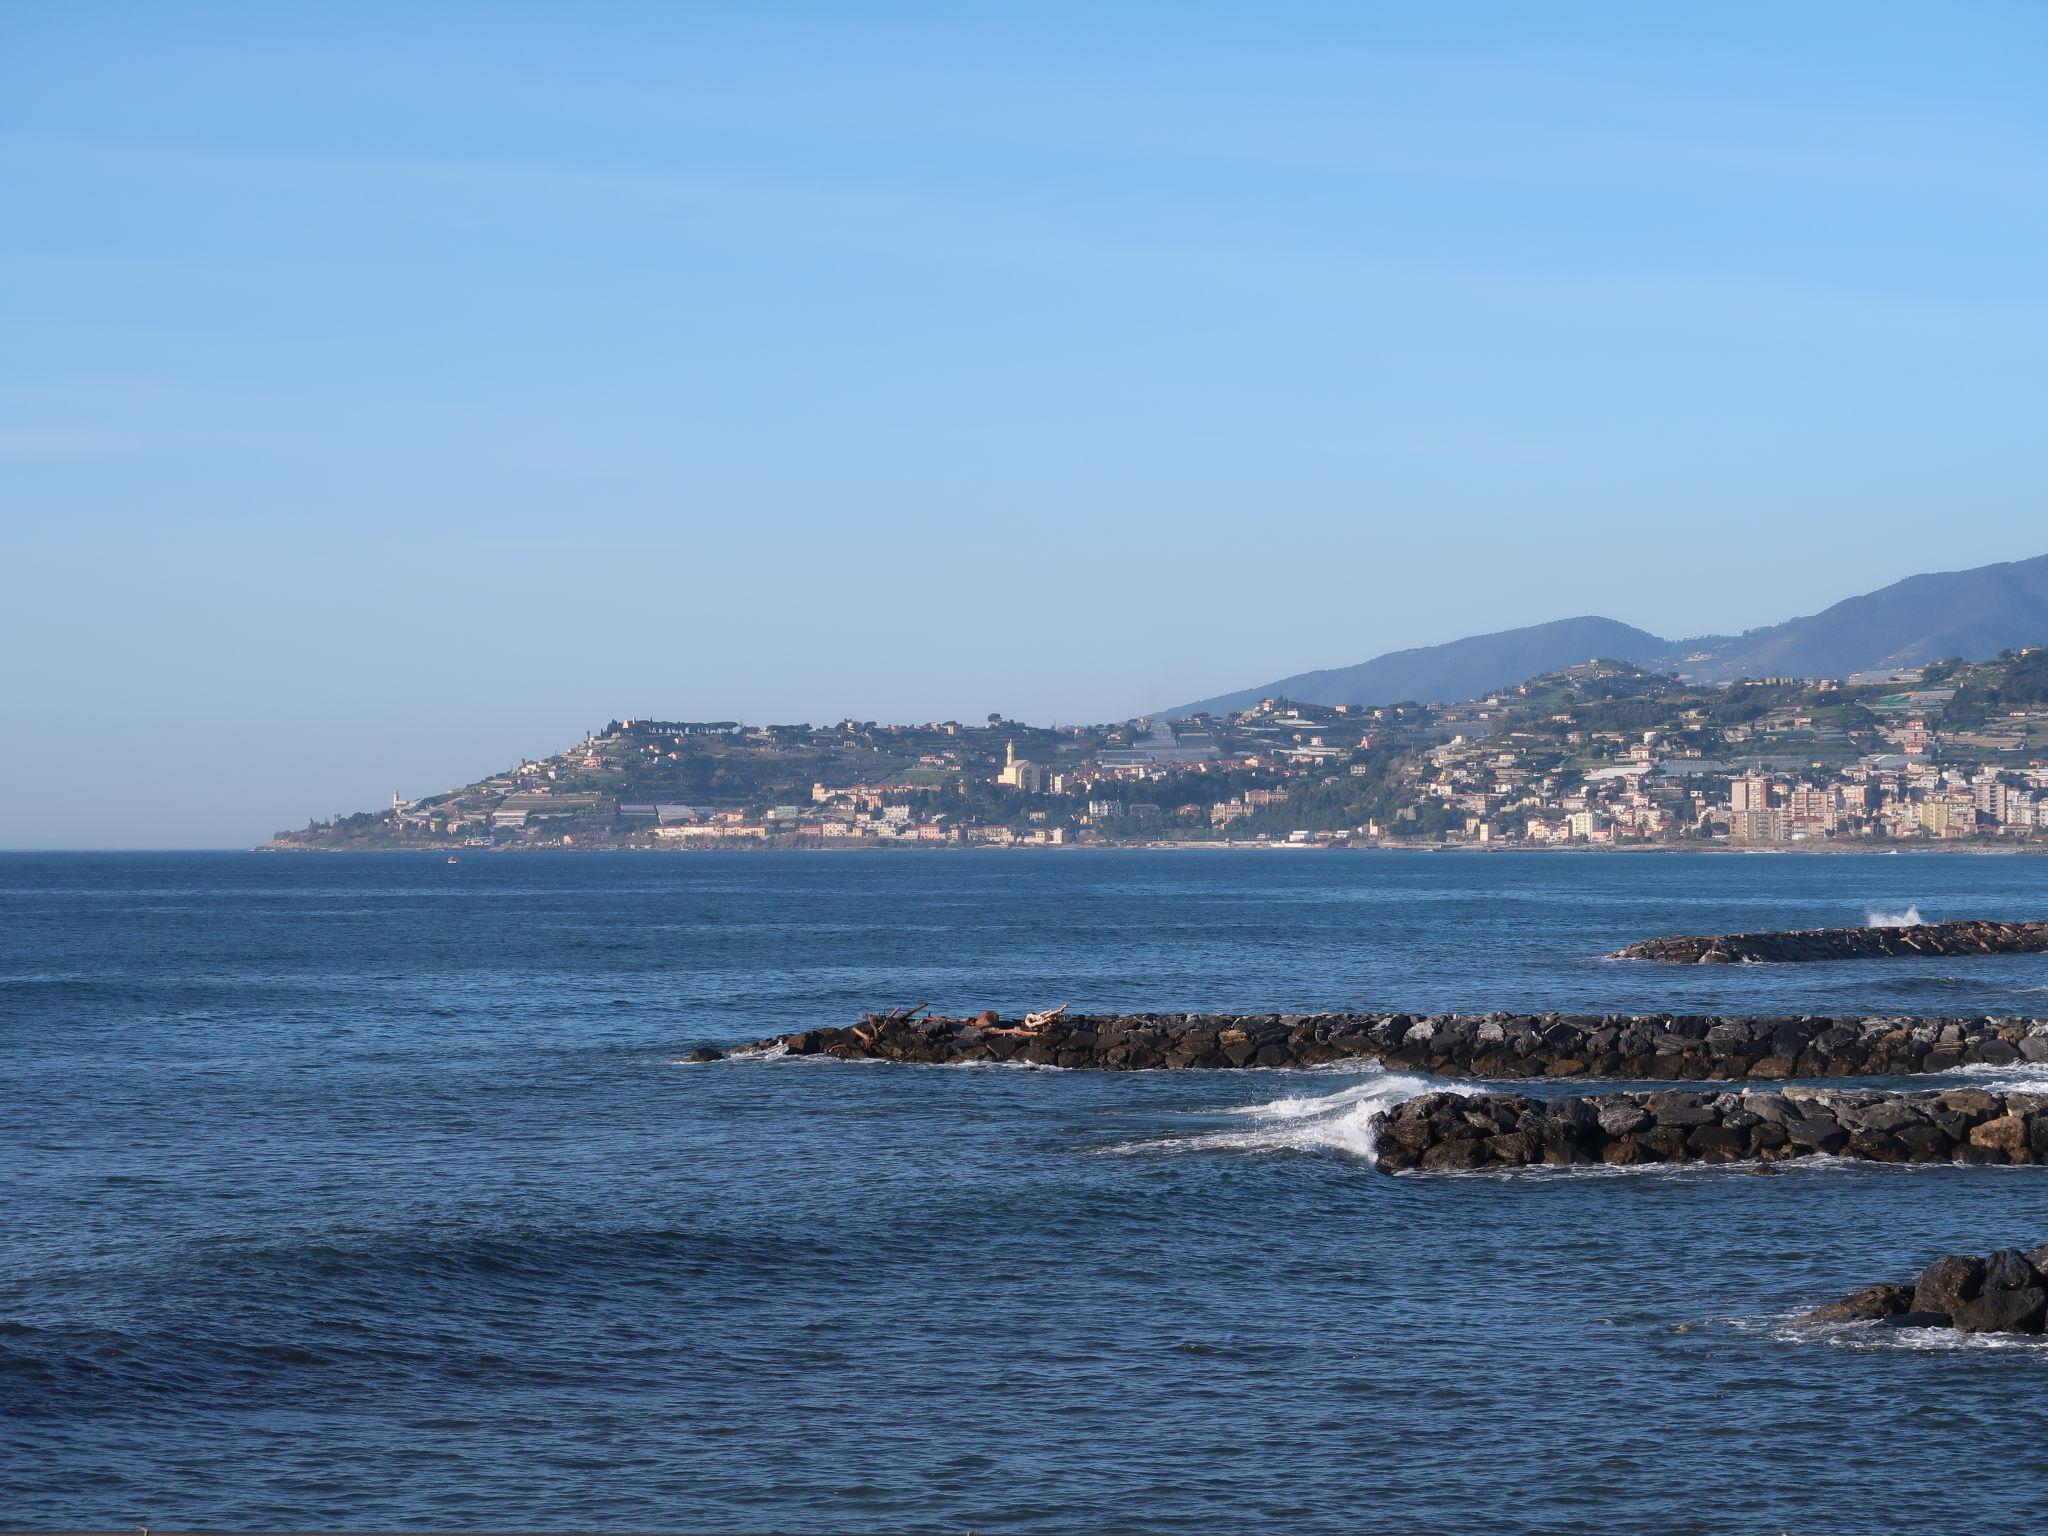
(1974, 850)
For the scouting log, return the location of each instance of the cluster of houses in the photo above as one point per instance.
(1492, 771)
(1783, 780)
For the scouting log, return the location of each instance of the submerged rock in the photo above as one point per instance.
(1969, 937)
(1864, 1306)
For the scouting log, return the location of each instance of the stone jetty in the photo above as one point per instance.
(1928, 940)
(1642, 1047)
(2003, 1292)
(1445, 1130)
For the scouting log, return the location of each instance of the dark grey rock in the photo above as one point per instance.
(2003, 1312)
(1889, 1115)
(1683, 1113)
(1717, 1144)
(1947, 1283)
(2008, 1270)
(1817, 1134)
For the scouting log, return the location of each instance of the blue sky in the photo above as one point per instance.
(389, 393)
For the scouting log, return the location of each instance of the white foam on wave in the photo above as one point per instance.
(751, 1053)
(1877, 917)
(781, 1052)
(1793, 1328)
(1329, 1122)
(1813, 1164)
(2012, 1077)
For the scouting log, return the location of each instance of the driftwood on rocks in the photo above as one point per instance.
(1451, 1131)
(1034, 1023)
(1643, 1047)
(895, 1015)
(1928, 940)
(869, 1029)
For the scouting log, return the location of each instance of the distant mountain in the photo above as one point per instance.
(1461, 669)
(1973, 614)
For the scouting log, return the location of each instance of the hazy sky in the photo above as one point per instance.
(391, 393)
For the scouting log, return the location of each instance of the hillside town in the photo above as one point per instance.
(1600, 755)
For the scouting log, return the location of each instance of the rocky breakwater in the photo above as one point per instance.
(1653, 1047)
(1446, 1131)
(2004, 1292)
(1929, 940)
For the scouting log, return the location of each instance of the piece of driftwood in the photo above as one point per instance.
(871, 1024)
(1034, 1023)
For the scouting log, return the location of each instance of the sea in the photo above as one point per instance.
(375, 1192)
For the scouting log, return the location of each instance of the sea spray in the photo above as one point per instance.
(1332, 1122)
(1878, 918)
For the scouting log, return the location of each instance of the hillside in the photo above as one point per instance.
(1972, 614)
(1599, 753)
(1461, 669)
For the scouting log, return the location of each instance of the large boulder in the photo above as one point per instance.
(2008, 1270)
(1947, 1283)
(2006, 1135)
(2003, 1312)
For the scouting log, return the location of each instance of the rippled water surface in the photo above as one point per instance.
(371, 1191)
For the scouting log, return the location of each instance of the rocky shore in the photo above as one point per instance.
(1652, 1047)
(2003, 1292)
(1933, 940)
(1444, 1131)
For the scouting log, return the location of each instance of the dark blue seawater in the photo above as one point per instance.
(369, 1191)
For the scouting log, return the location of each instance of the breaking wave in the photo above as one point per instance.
(1876, 917)
(1332, 1122)
(2011, 1077)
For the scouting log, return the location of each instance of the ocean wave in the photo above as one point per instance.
(514, 1255)
(1877, 917)
(1333, 1122)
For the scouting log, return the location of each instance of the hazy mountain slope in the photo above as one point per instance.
(1460, 669)
(1973, 614)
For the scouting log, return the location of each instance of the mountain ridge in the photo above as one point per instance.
(1972, 613)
